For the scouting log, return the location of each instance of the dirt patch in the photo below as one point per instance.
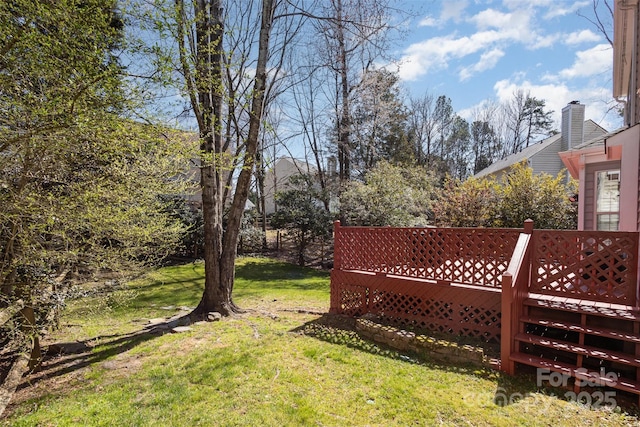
(60, 372)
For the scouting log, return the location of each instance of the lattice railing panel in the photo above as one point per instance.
(450, 316)
(459, 255)
(464, 311)
(596, 265)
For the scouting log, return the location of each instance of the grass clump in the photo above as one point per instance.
(278, 365)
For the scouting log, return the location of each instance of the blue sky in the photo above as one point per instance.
(472, 51)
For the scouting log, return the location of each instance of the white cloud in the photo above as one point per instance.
(428, 21)
(583, 36)
(435, 53)
(518, 4)
(590, 62)
(517, 26)
(556, 96)
(453, 10)
(497, 31)
(488, 60)
(541, 42)
(565, 8)
(491, 18)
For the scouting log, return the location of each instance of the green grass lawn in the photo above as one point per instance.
(280, 364)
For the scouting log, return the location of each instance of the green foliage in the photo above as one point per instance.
(80, 185)
(252, 238)
(520, 195)
(391, 195)
(541, 197)
(302, 213)
(469, 203)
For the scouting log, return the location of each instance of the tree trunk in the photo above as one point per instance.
(221, 245)
(303, 246)
(261, 199)
(209, 31)
(344, 155)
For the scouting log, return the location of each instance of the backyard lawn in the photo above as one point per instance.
(283, 363)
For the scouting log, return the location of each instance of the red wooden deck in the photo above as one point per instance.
(510, 286)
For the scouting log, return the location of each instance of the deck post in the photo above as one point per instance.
(335, 303)
(507, 321)
(337, 246)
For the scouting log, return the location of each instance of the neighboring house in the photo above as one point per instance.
(607, 168)
(193, 174)
(194, 198)
(543, 156)
(277, 178)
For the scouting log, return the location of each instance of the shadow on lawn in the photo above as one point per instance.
(341, 330)
(281, 275)
(65, 358)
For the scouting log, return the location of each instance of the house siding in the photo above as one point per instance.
(592, 131)
(589, 192)
(547, 160)
(277, 179)
(638, 216)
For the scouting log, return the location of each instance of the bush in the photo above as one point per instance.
(518, 196)
(251, 240)
(471, 203)
(543, 198)
(302, 213)
(391, 195)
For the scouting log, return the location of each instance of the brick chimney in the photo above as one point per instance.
(572, 125)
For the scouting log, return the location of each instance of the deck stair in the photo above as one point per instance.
(594, 341)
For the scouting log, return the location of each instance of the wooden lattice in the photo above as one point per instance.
(451, 309)
(449, 280)
(453, 315)
(454, 255)
(597, 266)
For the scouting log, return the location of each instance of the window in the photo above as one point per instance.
(607, 200)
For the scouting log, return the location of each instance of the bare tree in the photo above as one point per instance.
(485, 136)
(514, 117)
(525, 117)
(354, 34)
(200, 29)
(444, 116)
(422, 126)
(311, 120)
(602, 20)
(458, 145)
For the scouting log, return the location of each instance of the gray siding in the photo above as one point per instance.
(592, 131)
(547, 160)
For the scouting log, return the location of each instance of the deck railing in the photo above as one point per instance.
(471, 256)
(447, 278)
(443, 279)
(514, 288)
(589, 265)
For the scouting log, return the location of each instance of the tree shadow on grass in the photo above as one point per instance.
(281, 275)
(341, 330)
(61, 359)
